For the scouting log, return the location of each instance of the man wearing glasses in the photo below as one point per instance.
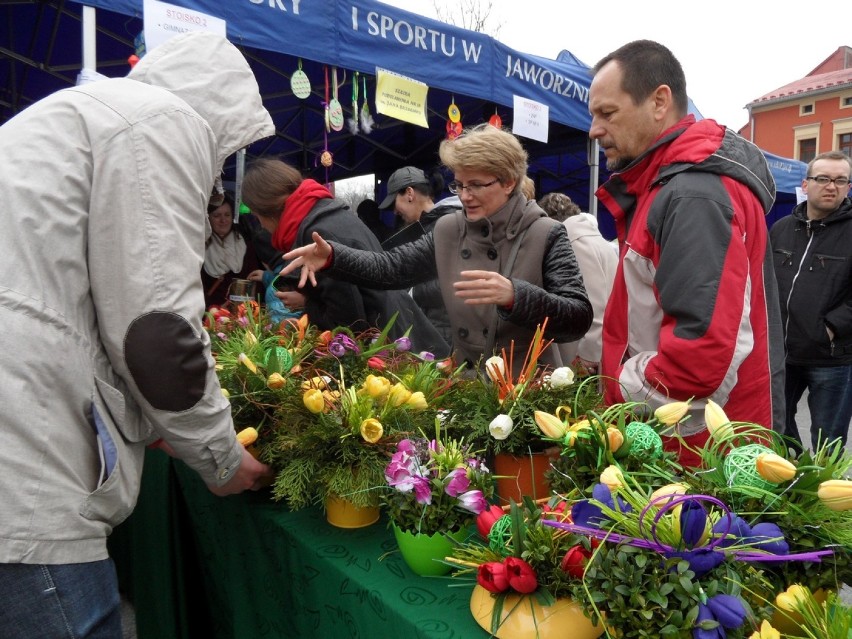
(812, 251)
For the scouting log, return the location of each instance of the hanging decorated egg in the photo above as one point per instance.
(335, 115)
(300, 84)
(326, 160)
(496, 121)
(454, 129)
(454, 113)
(643, 439)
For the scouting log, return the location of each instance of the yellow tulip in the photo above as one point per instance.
(376, 386)
(550, 425)
(398, 394)
(671, 413)
(330, 396)
(371, 430)
(583, 424)
(251, 338)
(316, 382)
(225, 393)
(775, 468)
(615, 438)
(836, 494)
(766, 632)
(417, 401)
(669, 490)
(314, 400)
(275, 380)
(247, 436)
(495, 368)
(245, 361)
(718, 424)
(792, 599)
(612, 477)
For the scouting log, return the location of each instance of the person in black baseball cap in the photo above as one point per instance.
(399, 182)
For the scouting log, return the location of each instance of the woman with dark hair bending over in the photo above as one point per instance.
(503, 265)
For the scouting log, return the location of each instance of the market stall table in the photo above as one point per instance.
(245, 566)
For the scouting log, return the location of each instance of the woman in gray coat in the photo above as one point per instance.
(503, 265)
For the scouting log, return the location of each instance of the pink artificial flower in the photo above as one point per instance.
(521, 575)
(458, 483)
(422, 490)
(473, 501)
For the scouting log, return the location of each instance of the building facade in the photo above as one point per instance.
(809, 116)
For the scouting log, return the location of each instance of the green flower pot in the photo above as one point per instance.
(423, 553)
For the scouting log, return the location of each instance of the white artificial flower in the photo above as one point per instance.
(562, 376)
(501, 426)
(493, 362)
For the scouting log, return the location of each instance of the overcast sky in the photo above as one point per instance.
(731, 52)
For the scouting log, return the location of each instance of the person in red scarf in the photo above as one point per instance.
(291, 208)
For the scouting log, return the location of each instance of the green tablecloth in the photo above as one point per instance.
(245, 567)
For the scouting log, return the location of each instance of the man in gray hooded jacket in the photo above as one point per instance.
(103, 193)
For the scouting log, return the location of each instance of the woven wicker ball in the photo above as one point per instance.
(500, 536)
(740, 466)
(285, 359)
(644, 439)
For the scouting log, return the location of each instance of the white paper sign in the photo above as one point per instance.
(531, 119)
(163, 21)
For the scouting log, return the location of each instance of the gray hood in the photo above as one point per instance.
(212, 76)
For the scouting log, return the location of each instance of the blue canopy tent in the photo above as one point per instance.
(479, 74)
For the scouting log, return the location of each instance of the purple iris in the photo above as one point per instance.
(693, 522)
(764, 536)
(726, 610)
(336, 348)
(588, 514)
(701, 560)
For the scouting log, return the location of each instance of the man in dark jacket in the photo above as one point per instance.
(693, 313)
(812, 250)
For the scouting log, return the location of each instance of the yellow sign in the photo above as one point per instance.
(400, 97)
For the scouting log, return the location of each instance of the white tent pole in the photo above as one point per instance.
(90, 56)
(594, 151)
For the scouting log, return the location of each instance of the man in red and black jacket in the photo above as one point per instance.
(693, 313)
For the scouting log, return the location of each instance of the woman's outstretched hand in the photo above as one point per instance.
(310, 258)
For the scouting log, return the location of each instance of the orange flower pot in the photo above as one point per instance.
(524, 618)
(342, 513)
(522, 475)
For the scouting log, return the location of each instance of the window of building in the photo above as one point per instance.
(807, 149)
(845, 101)
(844, 143)
(806, 109)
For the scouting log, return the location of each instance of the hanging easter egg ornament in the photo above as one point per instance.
(299, 83)
(454, 125)
(326, 160)
(335, 109)
(495, 121)
(453, 112)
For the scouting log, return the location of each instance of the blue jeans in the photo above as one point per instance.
(61, 601)
(829, 401)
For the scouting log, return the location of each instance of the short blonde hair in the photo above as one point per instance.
(486, 149)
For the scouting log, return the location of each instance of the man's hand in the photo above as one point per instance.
(484, 287)
(251, 475)
(311, 258)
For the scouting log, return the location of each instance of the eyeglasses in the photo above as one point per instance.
(473, 188)
(824, 180)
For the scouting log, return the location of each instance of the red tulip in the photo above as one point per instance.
(574, 561)
(487, 518)
(521, 575)
(376, 363)
(492, 576)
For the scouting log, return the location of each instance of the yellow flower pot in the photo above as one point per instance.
(524, 618)
(342, 513)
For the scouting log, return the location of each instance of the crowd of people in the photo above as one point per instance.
(697, 301)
